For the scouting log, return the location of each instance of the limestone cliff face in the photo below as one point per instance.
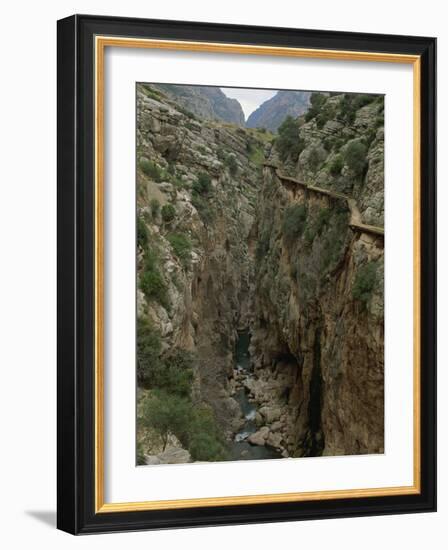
(317, 349)
(207, 102)
(203, 174)
(274, 111)
(317, 334)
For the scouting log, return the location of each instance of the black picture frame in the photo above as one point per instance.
(76, 225)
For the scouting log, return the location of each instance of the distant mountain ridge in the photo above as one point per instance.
(273, 112)
(207, 102)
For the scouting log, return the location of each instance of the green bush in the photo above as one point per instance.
(316, 227)
(203, 207)
(151, 92)
(149, 347)
(142, 233)
(336, 166)
(194, 426)
(360, 100)
(203, 184)
(205, 442)
(314, 159)
(256, 154)
(326, 113)
(317, 101)
(151, 169)
(181, 245)
(347, 109)
(140, 458)
(155, 206)
(154, 287)
(288, 142)
(167, 414)
(168, 213)
(231, 164)
(322, 220)
(173, 374)
(186, 112)
(355, 156)
(294, 221)
(364, 283)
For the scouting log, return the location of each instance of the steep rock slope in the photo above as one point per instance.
(196, 187)
(318, 304)
(273, 111)
(206, 102)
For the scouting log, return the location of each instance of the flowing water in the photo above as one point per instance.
(241, 449)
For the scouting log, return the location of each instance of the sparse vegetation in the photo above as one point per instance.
(153, 286)
(294, 222)
(336, 166)
(181, 246)
(288, 142)
(364, 282)
(142, 233)
(203, 207)
(203, 184)
(151, 92)
(150, 169)
(355, 156)
(168, 213)
(317, 100)
(169, 409)
(155, 207)
(231, 164)
(149, 346)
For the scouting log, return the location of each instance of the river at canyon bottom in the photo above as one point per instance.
(240, 448)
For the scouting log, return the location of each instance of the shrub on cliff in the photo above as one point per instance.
(168, 213)
(154, 287)
(231, 164)
(155, 206)
(294, 221)
(149, 346)
(364, 283)
(202, 205)
(355, 156)
(203, 184)
(317, 101)
(150, 169)
(181, 246)
(174, 373)
(336, 165)
(142, 233)
(288, 142)
(204, 440)
(167, 414)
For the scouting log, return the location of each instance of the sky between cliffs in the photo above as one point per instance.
(250, 99)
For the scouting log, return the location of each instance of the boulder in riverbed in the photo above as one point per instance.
(270, 414)
(274, 440)
(259, 438)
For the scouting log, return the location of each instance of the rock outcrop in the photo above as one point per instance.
(196, 189)
(317, 334)
(273, 112)
(206, 102)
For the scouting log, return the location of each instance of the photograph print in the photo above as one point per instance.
(260, 274)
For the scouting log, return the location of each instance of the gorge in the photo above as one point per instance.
(260, 261)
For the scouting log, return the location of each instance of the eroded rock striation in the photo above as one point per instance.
(197, 183)
(318, 322)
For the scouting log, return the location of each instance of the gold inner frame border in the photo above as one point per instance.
(100, 44)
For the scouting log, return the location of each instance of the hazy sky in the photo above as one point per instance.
(249, 99)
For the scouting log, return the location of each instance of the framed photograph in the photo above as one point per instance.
(246, 274)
